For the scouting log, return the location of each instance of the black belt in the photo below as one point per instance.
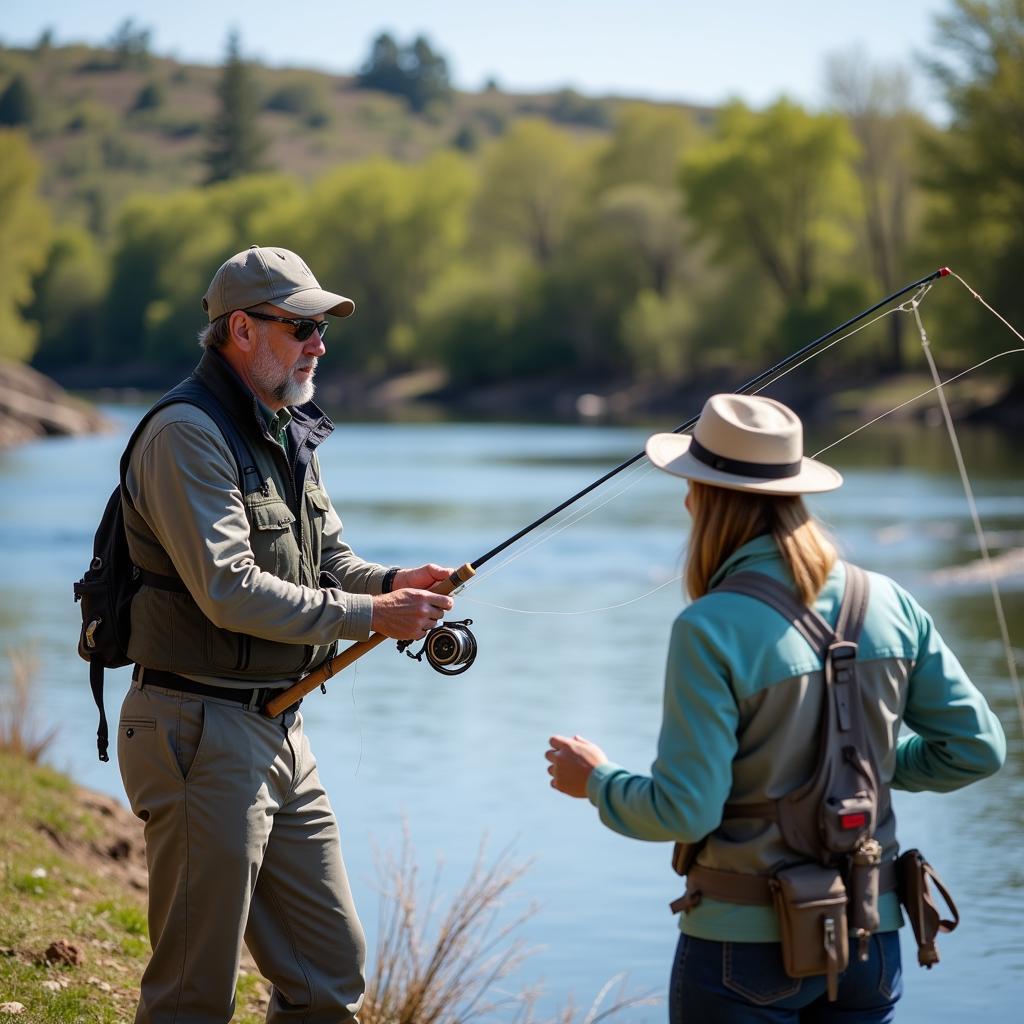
(254, 697)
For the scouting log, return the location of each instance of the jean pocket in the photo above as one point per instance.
(754, 971)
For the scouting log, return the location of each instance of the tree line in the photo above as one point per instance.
(662, 249)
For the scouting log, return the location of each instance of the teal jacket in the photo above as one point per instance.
(741, 706)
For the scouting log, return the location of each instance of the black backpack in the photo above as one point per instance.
(112, 580)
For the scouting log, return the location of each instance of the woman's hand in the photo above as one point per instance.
(571, 762)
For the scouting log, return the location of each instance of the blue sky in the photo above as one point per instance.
(701, 52)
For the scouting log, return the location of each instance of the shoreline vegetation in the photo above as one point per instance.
(34, 406)
(74, 935)
(511, 255)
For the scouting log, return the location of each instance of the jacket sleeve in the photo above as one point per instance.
(956, 739)
(183, 482)
(691, 776)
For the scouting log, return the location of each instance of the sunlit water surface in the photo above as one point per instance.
(566, 645)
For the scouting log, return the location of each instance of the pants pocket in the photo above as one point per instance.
(188, 735)
(755, 971)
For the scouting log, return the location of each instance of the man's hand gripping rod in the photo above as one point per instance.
(353, 652)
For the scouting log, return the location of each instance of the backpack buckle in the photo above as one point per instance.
(838, 661)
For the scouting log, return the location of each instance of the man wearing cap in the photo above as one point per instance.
(241, 840)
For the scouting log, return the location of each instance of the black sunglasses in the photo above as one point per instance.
(303, 327)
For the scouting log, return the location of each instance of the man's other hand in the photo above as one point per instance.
(422, 578)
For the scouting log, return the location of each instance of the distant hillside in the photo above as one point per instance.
(107, 126)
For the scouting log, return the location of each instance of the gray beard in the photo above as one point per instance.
(274, 379)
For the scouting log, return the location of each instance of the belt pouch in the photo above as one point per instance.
(811, 903)
(864, 877)
(913, 872)
(684, 856)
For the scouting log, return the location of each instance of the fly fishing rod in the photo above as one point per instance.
(450, 647)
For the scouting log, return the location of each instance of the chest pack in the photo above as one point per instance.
(112, 580)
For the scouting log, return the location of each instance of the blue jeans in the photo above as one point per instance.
(741, 982)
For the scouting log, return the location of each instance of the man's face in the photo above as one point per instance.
(282, 368)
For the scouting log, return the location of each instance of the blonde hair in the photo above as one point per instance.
(724, 520)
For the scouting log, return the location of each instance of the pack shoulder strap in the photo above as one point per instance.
(193, 391)
(822, 637)
(811, 626)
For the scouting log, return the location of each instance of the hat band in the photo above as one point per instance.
(761, 470)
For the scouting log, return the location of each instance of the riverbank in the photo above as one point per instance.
(73, 938)
(427, 395)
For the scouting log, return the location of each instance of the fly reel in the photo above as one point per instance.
(450, 648)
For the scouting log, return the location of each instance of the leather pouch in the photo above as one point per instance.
(913, 872)
(811, 903)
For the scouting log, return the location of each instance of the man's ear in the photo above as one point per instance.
(241, 331)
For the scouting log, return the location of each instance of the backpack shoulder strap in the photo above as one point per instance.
(194, 392)
(811, 626)
(854, 606)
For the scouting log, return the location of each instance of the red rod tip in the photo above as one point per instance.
(944, 271)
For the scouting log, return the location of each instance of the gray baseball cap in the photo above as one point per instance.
(268, 274)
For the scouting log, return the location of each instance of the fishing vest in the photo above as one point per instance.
(285, 506)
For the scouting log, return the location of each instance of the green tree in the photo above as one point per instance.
(648, 221)
(531, 180)
(975, 170)
(69, 295)
(646, 147)
(775, 187)
(656, 332)
(149, 97)
(876, 103)
(17, 103)
(428, 75)
(24, 238)
(130, 43)
(416, 72)
(166, 249)
(236, 144)
(383, 233)
(485, 323)
(383, 69)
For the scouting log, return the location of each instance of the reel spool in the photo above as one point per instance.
(450, 648)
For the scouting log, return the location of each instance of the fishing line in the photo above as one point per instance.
(923, 394)
(635, 474)
(584, 611)
(818, 352)
(972, 504)
(458, 579)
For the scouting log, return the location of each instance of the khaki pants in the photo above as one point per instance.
(241, 843)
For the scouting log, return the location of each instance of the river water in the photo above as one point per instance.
(568, 644)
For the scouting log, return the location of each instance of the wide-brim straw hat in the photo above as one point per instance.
(744, 443)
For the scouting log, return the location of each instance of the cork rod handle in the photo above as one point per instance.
(352, 653)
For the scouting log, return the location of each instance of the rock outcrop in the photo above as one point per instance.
(33, 406)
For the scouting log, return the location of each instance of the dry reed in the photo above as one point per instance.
(20, 733)
(437, 966)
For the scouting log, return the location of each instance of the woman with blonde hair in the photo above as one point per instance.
(742, 717)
